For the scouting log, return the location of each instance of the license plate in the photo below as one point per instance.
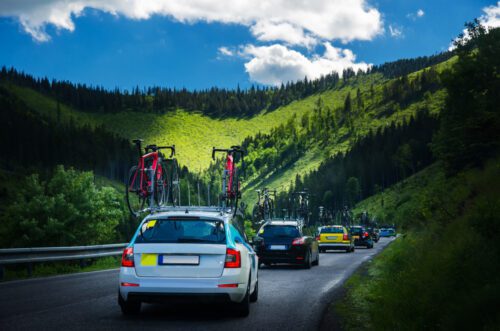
(356, 237)
(278, 247)
(332, 238)
(179, 260)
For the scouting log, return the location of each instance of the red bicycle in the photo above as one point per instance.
(230, 177)
(154, 177)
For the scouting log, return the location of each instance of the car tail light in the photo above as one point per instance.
(298, 241)
(129, 284)
(317, 238)
(227, 285)
(128, 257)
(346, 237)
(233, 258)
(365, 234)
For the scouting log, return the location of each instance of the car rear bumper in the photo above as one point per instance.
(364, 243)
(294, 256)
(334, 245)
(153, 289)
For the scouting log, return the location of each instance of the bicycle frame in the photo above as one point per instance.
(230, 192)
(149, 165)
(147, 178)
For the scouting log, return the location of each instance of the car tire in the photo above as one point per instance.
(255, 294)
(348, 250)
(242, 309)
(353, 249)
(316, 262)
(129, 307)
(307, 262)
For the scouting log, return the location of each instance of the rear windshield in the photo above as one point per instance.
(332, 230)
(279, 231)
(356, 230)
(182, 231)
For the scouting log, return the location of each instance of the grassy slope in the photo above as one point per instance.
(442, 272)
(194, 134)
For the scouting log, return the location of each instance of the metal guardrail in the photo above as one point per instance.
(10, 256)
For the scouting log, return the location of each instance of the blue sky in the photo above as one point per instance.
(198, 47)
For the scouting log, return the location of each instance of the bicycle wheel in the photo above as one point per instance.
(133, 191)
(174, 182)
(161, 186)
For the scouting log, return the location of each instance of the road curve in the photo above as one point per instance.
(289, 299)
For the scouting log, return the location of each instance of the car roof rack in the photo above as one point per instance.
(187, 209)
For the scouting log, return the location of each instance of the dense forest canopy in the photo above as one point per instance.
(215, 101)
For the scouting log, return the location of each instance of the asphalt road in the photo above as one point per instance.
(290, 298)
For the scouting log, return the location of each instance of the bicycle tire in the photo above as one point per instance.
(160, 186)
(135, 202)
(174, 182)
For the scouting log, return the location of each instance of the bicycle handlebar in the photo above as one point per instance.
(155, 148)
(233, 149)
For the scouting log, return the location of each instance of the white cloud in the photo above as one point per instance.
(225, 51)
(278, 64)
(289, 33)
(395, 31)
(418, 14)
(293, 21)
(490, 19)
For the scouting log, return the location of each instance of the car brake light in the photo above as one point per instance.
(346, 237)
(365, 234)
(129, 284)
(298, 241)
(317, 238)
(227, 285)
(128, 257)
(233, 258)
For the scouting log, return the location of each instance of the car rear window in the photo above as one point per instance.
(356, 230)
(279, 231)
(332, 230)
(182, 231)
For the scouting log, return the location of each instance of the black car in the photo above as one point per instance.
(361, 237)
(284, 242)
(374, 233)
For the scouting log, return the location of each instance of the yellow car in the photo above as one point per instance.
(335, 237)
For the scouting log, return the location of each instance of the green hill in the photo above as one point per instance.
(194, 133)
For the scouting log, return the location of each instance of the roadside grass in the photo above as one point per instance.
(442, 273)
(60, 268)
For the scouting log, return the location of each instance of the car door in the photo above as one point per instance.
(246, 249)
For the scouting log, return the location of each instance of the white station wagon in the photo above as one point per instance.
(188, 255)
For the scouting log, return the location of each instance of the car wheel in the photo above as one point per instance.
(307, 262)
(348, 250)
(316, 262)
(129, 307)
(353, 249)
(242, 309)
(255, 294)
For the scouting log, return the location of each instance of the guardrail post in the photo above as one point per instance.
(30, 269)
(83, 263)
(1, 272)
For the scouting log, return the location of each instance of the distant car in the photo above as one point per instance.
(387, 232)
(335, 237)
(361, 237)
(183, 256)
(284, 242)
(374, 233)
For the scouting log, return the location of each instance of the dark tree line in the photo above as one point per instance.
(31, 142)
(405, 66)
(470, 127)
(217, 102)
